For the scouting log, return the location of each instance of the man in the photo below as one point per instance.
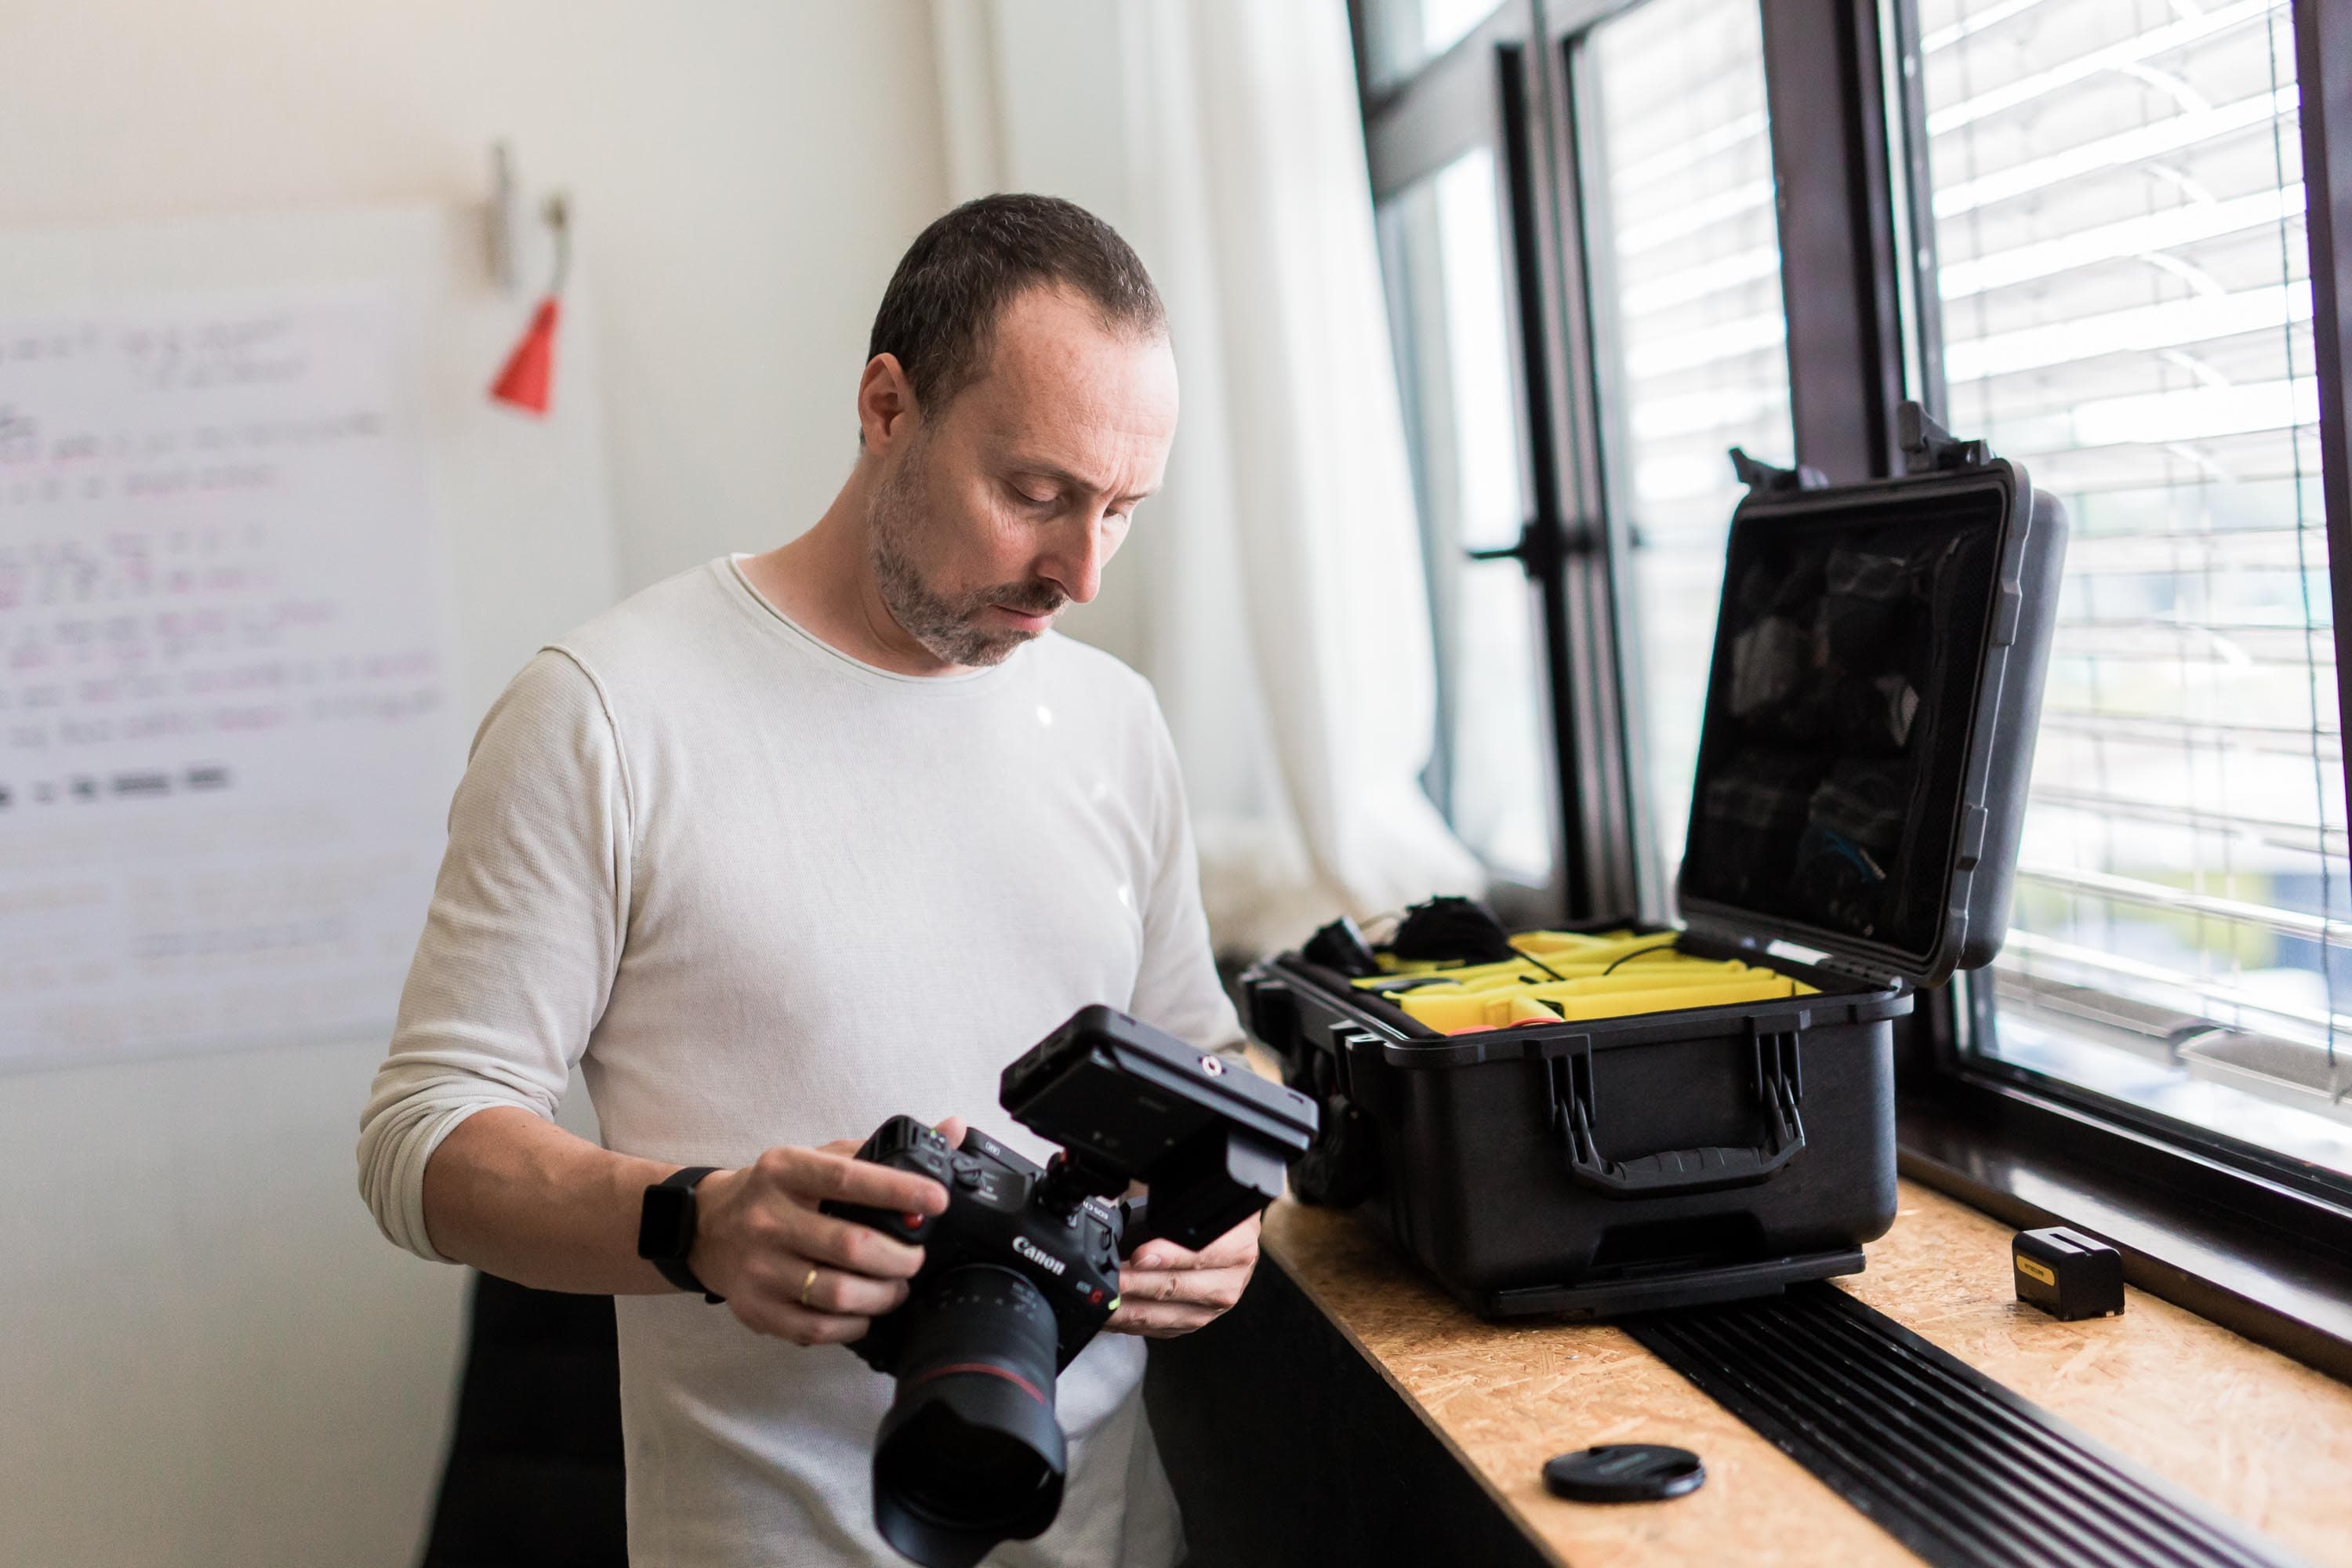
(796, 841)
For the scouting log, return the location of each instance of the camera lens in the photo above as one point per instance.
(952, 1472)
(970, 1453)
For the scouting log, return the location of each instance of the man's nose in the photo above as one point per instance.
(1075, 565)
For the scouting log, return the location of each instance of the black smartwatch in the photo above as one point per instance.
(665, 1229)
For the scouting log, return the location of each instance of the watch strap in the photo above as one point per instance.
(673, 1266)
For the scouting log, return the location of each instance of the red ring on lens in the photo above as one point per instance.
(1015, 1378)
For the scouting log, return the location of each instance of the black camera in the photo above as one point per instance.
(1023, 1269)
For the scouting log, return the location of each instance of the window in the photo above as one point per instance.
(2122, 277)
(1441, 240)
(1687, 288)
(1621, 236)
(2113, 289)
(1399, 35)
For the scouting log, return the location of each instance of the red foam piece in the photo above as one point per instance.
(529, 378)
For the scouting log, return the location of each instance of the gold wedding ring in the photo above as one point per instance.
(807, 1284)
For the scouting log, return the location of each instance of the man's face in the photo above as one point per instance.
(992, 515)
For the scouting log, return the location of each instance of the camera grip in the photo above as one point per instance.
(902, 1144)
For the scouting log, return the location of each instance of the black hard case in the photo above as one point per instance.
(1612, 1165)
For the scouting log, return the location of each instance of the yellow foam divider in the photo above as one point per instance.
(1670, 970)
(1627, 947)
(1579, 975)
(1476, 975)
(1465, 1009)
(1391, 964)
(1731, 973)
(1454, 968)
(1446, 983)
(1625, 1004)
(1552, 945)
(1607, 996)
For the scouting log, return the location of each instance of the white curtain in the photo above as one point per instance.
(1273, 591)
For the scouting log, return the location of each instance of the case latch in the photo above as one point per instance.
(1764, 479)
(1340, 1169)
(1347, 1037)
(1778, 1083)
(1930, 449)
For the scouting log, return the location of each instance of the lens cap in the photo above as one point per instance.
(1624, 1472)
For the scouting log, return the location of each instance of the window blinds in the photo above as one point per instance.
(2123, 284)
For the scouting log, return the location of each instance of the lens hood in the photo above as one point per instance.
(970, 1453)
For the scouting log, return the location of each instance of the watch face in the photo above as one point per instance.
(665, 1229)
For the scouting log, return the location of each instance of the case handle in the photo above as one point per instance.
(1779, 1084)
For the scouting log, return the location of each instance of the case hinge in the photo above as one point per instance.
(1763, 947)
(1764, 479)
(1930, 449)
(1870, 975)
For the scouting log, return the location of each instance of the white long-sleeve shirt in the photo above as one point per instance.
(763, 894)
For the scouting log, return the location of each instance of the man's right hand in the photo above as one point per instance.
(787, 1269)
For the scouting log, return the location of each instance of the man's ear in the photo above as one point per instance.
(885, 402)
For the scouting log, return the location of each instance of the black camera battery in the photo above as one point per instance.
(2067, 1274)
(1871, 711)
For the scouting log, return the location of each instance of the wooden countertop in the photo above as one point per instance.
(2262, 1439)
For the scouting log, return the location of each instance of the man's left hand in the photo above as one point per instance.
(1165, 1291)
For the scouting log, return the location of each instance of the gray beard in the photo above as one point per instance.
(946, 625)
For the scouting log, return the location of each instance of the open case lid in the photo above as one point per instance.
(1871, 709)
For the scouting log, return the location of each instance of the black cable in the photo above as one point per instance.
(1673, 946)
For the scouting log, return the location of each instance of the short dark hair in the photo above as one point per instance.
(939, 314)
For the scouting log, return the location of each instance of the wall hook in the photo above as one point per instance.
(527, 379)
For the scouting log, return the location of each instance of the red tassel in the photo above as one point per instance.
(530, 373)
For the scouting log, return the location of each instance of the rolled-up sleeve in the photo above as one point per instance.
(522, 939)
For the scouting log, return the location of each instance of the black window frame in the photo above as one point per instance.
(1491, 88)
(2251, 1238)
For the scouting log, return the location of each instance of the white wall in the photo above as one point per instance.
(1062, 132)
(746, 175)
(210, 1357)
